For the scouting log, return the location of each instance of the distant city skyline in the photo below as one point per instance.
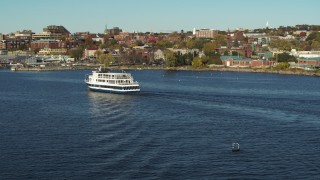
(155, 16)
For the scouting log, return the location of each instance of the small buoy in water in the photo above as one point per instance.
(235, 147)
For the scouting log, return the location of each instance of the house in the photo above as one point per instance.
(235, 61)
(90, 52)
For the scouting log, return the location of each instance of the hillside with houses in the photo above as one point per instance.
(293, 47)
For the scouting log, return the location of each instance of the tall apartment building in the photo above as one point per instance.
(52, 32)
(114, 31)
(205, 33)
(57, 30)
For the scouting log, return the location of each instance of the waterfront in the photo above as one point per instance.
(269, 70)
(180, 126)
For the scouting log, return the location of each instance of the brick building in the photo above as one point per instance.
(9, 44)
(46, 43)
(245, 50)
(236, 61)
(230, 61)
(309, 61)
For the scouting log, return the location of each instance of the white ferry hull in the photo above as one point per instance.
(116, 91)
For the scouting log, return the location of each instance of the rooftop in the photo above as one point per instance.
(224, 58)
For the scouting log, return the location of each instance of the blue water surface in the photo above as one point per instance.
(180, 126)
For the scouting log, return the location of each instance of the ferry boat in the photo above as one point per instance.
(103, 80)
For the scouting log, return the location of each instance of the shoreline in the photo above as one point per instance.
(185, 68)
(224, 69)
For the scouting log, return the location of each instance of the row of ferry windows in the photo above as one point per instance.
(115, 87)
(113, 76)
(120, 81)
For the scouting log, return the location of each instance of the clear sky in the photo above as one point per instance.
(155, 15)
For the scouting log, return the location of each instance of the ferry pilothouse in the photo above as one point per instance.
(103, 80)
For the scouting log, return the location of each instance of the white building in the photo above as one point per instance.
(46, 35)
(185, 51)
(305, 54)
(49, 51)
(205, 33)
(158, 54)
(90, 52)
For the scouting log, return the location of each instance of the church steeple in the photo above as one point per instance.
(229, 39)
(194, 31)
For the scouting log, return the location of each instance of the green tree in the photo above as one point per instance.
(265, 48)
(106, 59)
(98, 53)
(173, 34)
(180, 44)
(205, 60)
(170, 58)
(190, 43)
(281, 44)
(285, 57)
(88, 42)
(315, 45)
(180, 59)
(282, 66)
(302, 46)
(164, 44)
(188, 58)
(314, 35)
(209, 49)
(220, 39)
(197, 62)
(102, 46)
(215, 60)
(200, 42)
(76, 53)
(236, 53)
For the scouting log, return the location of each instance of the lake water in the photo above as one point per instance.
(180, 126)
